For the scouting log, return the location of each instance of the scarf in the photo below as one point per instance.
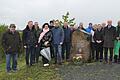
(42, 34)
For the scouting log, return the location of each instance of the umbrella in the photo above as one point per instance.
(46, 53)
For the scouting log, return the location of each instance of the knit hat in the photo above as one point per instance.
(12, 26)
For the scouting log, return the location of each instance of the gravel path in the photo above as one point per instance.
(90, 71)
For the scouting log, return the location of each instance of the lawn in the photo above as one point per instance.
(67, 71)
(36, 72)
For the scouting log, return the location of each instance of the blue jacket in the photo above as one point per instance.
(67, 34)
(89, 29)
(58, 35)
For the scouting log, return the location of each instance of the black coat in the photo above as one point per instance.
(29, 37)
(46, 37)
(98, 35)
(37, 33)
(109, 35)
(118, 31)
(67, 35)
(11, 41)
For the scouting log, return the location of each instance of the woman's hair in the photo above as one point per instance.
(44, 25)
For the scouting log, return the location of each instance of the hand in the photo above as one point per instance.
(25, 47)
(61, 43)
(98, 41)
(36, 46)
(117, 38)
(46, 43)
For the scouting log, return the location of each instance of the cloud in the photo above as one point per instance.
(21, 11)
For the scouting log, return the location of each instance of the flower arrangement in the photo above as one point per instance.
(78, 59)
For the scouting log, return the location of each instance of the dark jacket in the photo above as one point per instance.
(98, 35)
(29, 37)
(109, 35)
(67, 35)
(37, 33)
(46, 37)
(11, 41)
(118, 31)
(51, 27)
(58, 35)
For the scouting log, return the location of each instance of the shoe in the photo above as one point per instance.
(105, 62)
(110, 62)
(68, 60)
(9, 72)
(101, 60)
(59, 63)
(14, 71)
(45, 65)
(115, 61)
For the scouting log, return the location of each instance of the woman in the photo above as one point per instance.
(37, 49)
(45, 41)
(98, 38)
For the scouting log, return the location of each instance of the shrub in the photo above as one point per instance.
(3, 28)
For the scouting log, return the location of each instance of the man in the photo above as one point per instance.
(58, 37)
(11, 43)
(51, 24)
(109, 33)
(29, 42)
(103, 25)
(67, 42)
(37, 49)
(91, 29)
(117, 44)
(81, 27)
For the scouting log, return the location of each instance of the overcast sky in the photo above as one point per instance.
(21, 11)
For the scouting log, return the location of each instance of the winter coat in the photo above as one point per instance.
(67, 35)
(29, 37)
(11, 41)
(109, 35)
(46, 38)
(37, 33)
(118, 31)
(98, 35)
(58, 35)
(89, 29)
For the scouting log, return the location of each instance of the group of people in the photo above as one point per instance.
(58, 41)
(105, 42)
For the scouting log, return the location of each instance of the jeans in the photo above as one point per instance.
(106, 54)
(37, 54)
(58, 53)
(10, 56)
(99, 51)
(93, 49)
(66, 49)
(52, 51)
(30, 53)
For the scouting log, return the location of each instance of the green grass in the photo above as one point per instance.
(36, 72)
